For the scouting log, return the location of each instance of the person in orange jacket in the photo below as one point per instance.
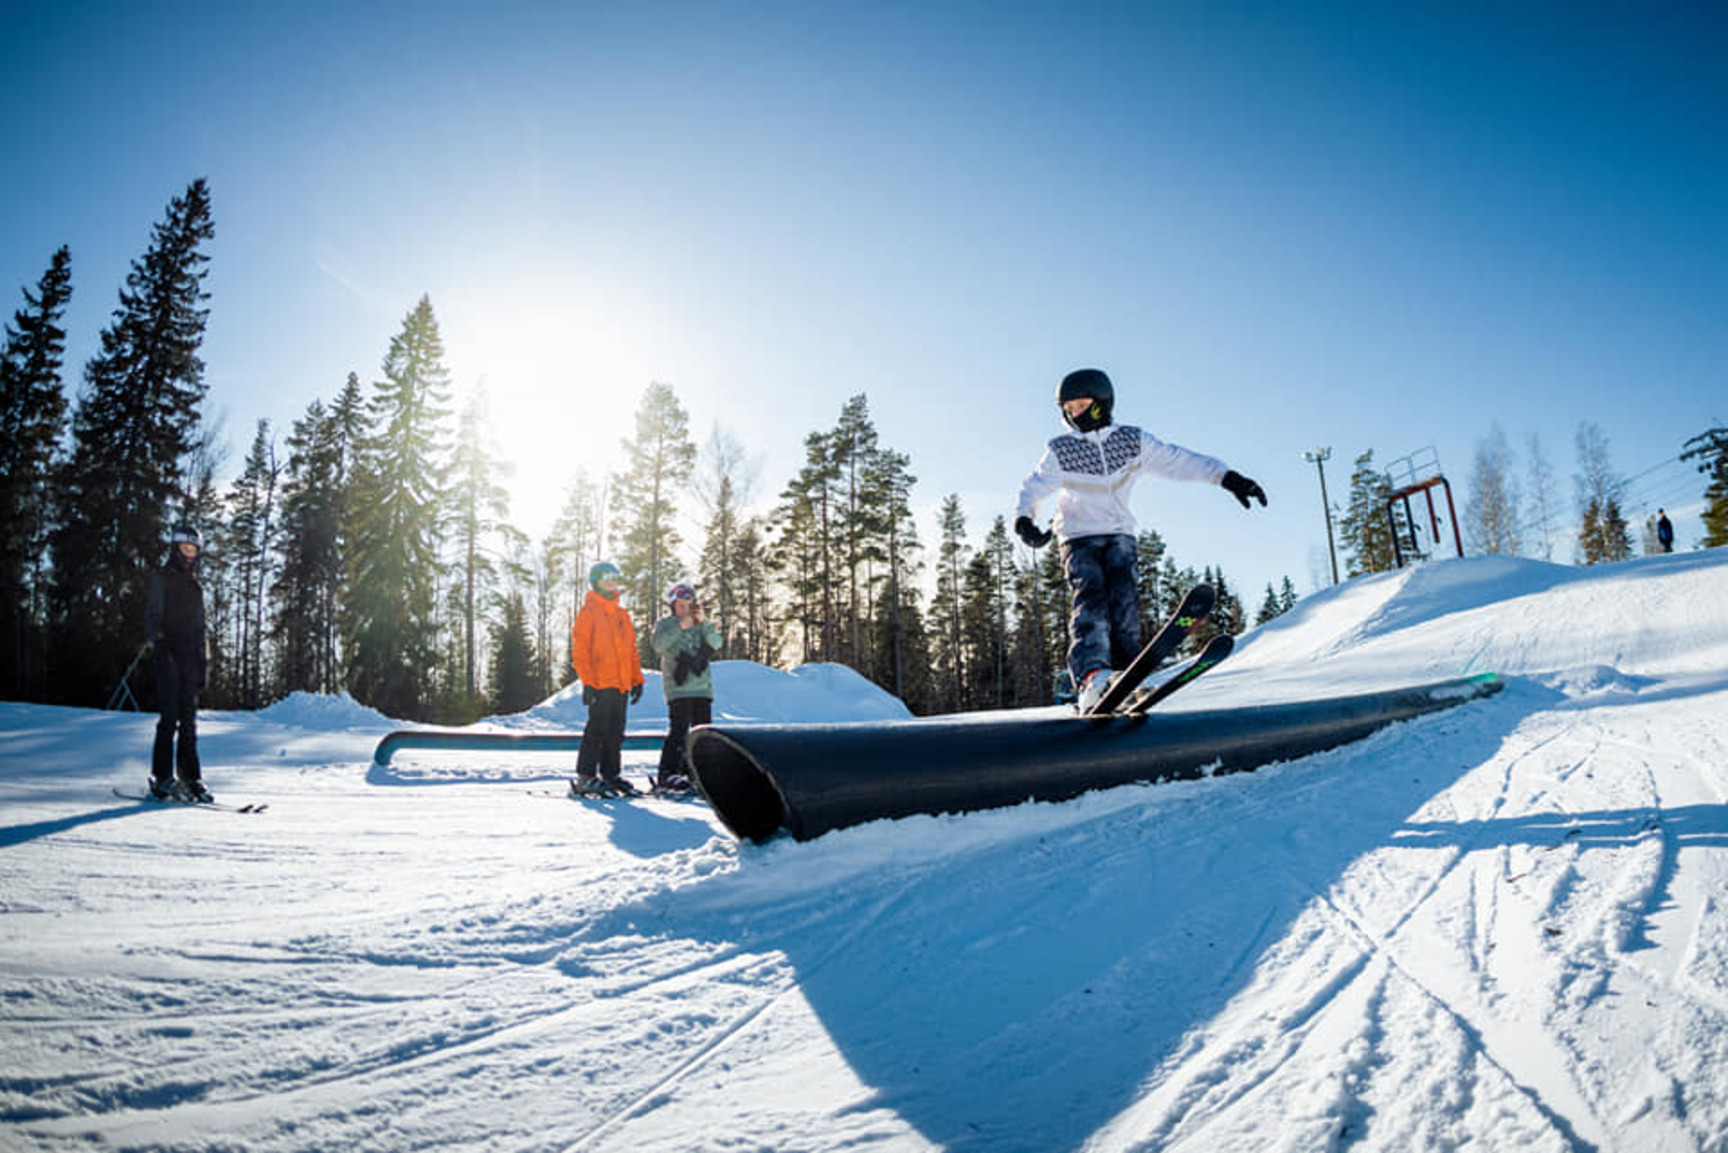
(603, 652)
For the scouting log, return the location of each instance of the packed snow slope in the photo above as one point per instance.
(1501, 927)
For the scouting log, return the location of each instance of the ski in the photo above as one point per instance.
(219, 807)
(1193, 609)
(1216, 650)
(645, 791)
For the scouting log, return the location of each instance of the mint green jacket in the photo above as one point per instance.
(671, 642)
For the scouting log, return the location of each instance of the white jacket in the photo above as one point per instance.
(1094, 472)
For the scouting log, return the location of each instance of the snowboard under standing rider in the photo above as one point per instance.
(603, 652)
(1091, 470)
(174, 622)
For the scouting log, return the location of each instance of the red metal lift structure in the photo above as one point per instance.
(1418, 473)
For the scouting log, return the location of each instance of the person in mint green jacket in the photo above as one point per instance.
(685, 643)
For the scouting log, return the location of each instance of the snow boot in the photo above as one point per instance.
(195, 792)
(619, 787)
(1092, 688)
(674, 784)
(587, 787)
(163, 789)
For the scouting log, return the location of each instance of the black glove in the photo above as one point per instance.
(635, 693)
(1030, 533)
(590, 695)
(681, 669)
(699, 662)
(1242, 488)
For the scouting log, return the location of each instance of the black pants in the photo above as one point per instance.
(602, 749)
(178, 680)
(682, 713)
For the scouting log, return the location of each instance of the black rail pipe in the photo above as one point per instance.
(813, 778)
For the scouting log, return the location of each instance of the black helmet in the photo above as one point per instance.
(186, 534)
(1093, 384)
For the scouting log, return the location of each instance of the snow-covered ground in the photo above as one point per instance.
(1501, 927)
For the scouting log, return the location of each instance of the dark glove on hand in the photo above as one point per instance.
(635, 693)
(699, 662)
(681, 669)
(1030, 533)
(590, 694)
(1242, 488)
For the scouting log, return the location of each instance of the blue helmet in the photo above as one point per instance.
(601, 572)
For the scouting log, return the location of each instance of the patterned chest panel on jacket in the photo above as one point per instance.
(1079, 455)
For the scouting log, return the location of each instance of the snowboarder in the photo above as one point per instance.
(603, 652)
(1092, 471)
(174, 624)
(1664, 531)
(685, 643)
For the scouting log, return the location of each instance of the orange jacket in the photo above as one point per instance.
(603, 645)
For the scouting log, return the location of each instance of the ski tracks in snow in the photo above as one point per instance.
(1505, 919)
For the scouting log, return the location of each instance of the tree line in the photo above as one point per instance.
(371, 549)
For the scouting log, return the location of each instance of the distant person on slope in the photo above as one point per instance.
(1664, 531)
(685, 643)
(603, 652)
(1092, 471)
(174, 623)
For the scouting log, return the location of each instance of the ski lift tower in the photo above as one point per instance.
(1418, 473)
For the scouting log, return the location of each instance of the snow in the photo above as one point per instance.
(1504, 926)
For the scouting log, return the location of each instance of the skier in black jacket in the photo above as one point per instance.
(174, 622)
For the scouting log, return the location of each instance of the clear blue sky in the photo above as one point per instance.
(1279, 227)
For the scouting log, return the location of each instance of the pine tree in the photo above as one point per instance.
(308, 588)
(137, 420)
(482, 535)
(32, 421)
(947, 611)
(807, 523)
(658, 462)
(898, 629)
(247, 542)
(1604, 536)
(1710, 450)
(389, 628)
(514, 684)
(1156, 600)
(1268, 606)
(576, 543)
(723, 483)
(1364, 530)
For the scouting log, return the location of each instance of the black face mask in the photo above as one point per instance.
(1096, 415)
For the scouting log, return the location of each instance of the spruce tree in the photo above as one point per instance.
(247, 544)
(32, 421)
(513, 685)
(658, 462)
(1604, 536)
(137, 420)
(947, 611)
(1710, 450)
(484, 540)
(389, 628)
(307, 591)
(897, 616)
(1364, 530)
(575, 544)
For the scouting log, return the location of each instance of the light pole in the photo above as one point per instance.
(1318, 458)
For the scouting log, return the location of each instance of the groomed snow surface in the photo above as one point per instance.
(1501, 927)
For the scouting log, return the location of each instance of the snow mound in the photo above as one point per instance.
(323, 712)
(743, 691)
